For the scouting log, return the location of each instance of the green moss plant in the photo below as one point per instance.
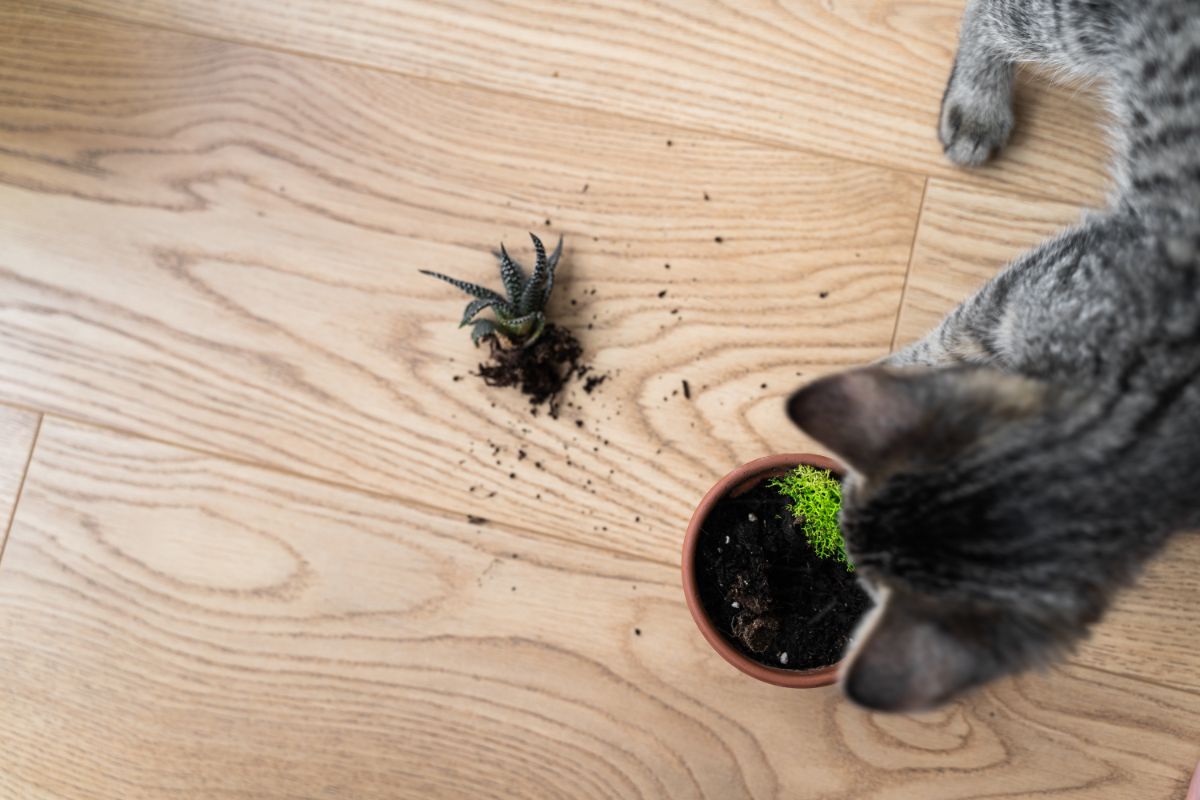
(815, 497)
(519, 315)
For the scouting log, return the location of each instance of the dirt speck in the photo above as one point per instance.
(540, 370)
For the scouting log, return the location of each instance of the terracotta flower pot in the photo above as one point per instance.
(737, 482)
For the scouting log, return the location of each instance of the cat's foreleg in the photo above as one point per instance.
(977, 106)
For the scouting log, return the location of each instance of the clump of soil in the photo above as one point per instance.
(766, 590)
(540, 370)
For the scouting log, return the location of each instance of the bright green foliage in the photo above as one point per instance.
(815, 497)
(520, 313)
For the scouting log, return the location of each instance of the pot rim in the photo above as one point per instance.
(743, 477)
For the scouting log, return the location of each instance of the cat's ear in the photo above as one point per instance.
(911, 656)
(877, 418)
(860, 415)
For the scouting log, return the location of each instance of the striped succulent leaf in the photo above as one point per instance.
(501, 308)
(534, 296)
(472, 289)
(521, 317)
(482, 328)
(512, 275)
(551, 263)
(527, 325)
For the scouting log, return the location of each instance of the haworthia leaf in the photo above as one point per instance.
(537, 330)
(516, 322)
(482, 328)
(470, 288)
(551, 263)
(475, 306)
(512, 275)
(534, 296)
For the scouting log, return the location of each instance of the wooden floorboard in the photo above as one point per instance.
(174, 625)
(239, 274)
(241, 564)
(855, 79)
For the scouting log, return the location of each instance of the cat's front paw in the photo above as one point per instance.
(975, 122)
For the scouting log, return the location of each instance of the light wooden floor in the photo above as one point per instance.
(239, 466)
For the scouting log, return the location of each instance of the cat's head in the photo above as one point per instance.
(960, 518)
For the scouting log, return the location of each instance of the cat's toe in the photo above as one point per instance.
(971, 134)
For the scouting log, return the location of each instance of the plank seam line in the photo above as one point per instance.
(12, 516)
(912, 253)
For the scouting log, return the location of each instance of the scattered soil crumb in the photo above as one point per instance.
(687, 390)
(474, 520)
(540, 370)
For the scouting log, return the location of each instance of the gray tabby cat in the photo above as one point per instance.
(1019, 465)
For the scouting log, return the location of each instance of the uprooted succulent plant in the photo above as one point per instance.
(520, 317)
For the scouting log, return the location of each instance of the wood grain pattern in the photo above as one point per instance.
(965, 237)
(857, 78)
(177, 626)
(214, 244)
(240, 275)
(1151, 631)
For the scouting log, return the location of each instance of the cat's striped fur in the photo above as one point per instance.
(1016, 467)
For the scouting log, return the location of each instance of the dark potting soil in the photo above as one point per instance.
(540, 370)
(766, 590)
